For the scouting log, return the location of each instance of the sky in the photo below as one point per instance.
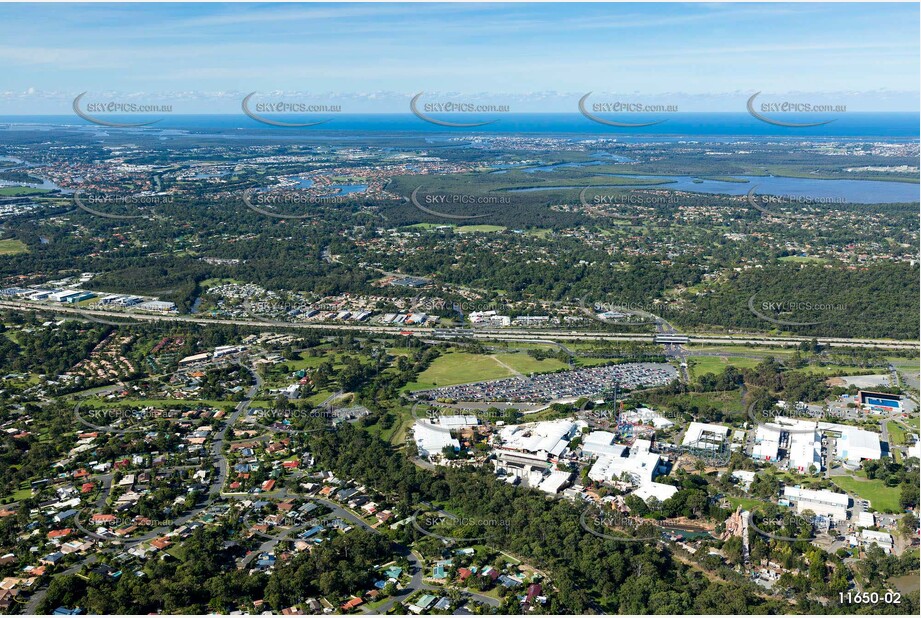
(203, 58)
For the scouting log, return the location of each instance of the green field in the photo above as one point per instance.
(730, 350)
(94, 402)
(747, 504)
(883, 499)
(459, 368)
(896, 433)
(479, 228)
(797, 259)
(11, 246)
(526, 364)
(18, 191)
(701, 365)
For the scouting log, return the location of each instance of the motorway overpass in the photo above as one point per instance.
(493, 334)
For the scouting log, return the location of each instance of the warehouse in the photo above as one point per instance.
(432, 439)
(853, 445)
(820, 502)
(637, 465)
(767, 443)
(544, 439)
(884, 402)
(705, 436)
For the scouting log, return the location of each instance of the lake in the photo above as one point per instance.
(853, 191)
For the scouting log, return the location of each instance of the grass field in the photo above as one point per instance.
(17, 191)
(730, 350)
(729, 401)
(798, 259)
(883, 499)
(896, 433)
(11, 246)
(747, 504)
(479, 228)
(459, 368)
(525, 364)
(701, 365)
(93, 402)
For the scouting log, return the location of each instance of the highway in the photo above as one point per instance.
(493, 334)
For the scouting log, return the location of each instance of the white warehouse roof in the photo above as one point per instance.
(431, 439)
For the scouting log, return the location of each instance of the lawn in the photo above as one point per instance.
(701, 365)
(896, 433)
(17, 191)
(526, 364)
(11, 246)
(882, 498)
(459, 368)
(729, 350)
(479, 228)
(95, 402)
(747, 504)
(799, 259)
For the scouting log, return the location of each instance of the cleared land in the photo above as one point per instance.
(882, 498)
(12, 246)
(459, 368)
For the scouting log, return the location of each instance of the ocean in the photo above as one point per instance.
(703, 126)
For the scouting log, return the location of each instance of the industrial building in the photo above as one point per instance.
(853, 445)
(705, 436)
(882, 402)
(819, 501)
(635, 465)
(431, 439)
(543, 440)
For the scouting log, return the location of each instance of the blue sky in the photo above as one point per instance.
(537, 57)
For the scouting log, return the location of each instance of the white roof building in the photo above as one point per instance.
(647, 417)
(856, 445)
(431, 439)
(639, 467)
(546, 439)
(601, 443)
(553, 483)
(747, 477)
(705, 436)
(767, 443)
(820, 502)
(458, 421)
(659, 491)
(871, 537)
